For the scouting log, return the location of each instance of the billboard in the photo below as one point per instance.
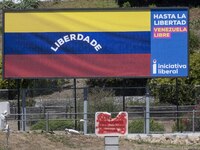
(95, 43)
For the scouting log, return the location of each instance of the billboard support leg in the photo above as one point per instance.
(18, 104)
(23, 109)
(85, 110)
(75, 109)
(123, 91)
(177, 104)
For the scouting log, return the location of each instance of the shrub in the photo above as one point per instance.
(102, 100)
(156, 127)
(137, 126)
(194, 41)
(55, 125)
(182, 126)
(186, 122)
(126, 5)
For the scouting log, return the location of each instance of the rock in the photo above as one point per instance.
(72, 131)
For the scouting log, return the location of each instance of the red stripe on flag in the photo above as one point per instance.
(83, 65)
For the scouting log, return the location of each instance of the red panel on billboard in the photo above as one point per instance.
(77, 65)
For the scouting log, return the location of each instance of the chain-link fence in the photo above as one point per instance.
(160, 121)
(60, 108)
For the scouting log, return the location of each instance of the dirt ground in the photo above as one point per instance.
(62, 141)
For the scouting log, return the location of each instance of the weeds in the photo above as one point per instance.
(195, 24)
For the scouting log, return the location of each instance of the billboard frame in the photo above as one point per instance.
(91, 10)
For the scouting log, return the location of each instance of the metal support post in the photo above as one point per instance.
(144, 120)
(23, 109)
(193, 120)
(124, 105)
(111, 142)
(177, 105)
(18, 104)
(47, 121)
(147, 122)
(124, 100)
(75, 109)
(85, 110)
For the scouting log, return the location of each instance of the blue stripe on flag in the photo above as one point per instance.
(77, 43)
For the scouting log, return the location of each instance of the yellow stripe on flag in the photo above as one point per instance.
(89, 21)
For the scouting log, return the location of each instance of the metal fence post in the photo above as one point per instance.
(75, 105)
(193, 120)
(144, 120)
(47, 121)
(66, 111)
(177, 105)
(23, 109)
(18, 104)
(44, 111)
(147, 122)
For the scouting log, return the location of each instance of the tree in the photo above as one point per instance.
(121, 86)
(162, 3)
(23, 4)
(165, 90)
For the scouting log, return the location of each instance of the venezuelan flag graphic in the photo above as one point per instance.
(86, 43)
